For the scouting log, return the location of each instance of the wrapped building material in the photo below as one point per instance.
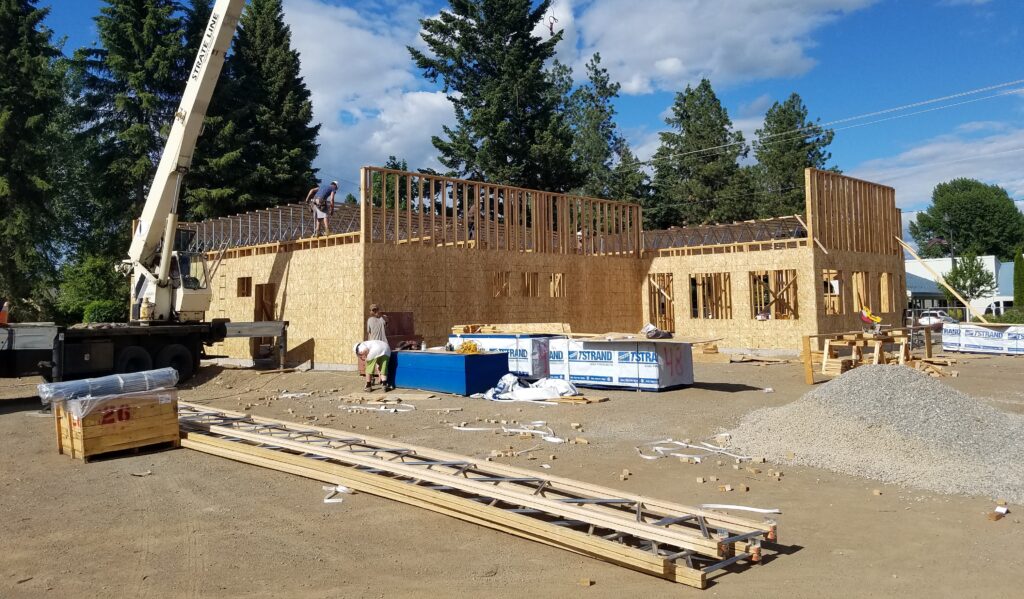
(91, 426)
(115, 384)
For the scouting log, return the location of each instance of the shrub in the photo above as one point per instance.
(105, 311)
(1012, 316)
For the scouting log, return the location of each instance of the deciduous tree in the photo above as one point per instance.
(968, 216)
(970, 278)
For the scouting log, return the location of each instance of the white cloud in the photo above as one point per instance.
(367, 95)
(644, 144)
(997, 158)
(665, 44)
(402, 127)
(756, 107)
(372, 101)
(561, 16)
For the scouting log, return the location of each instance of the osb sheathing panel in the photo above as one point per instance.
(742, 330)
(874, 265)
(318, 291)
(443, 286)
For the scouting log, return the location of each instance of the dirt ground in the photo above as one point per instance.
(205, 526)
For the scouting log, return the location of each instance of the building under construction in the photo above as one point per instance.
(450, 251)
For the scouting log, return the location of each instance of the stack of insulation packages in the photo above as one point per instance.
(114, 413)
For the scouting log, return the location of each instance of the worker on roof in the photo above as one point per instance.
(321, 202)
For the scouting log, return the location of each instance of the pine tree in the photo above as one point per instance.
(628, 182)
(260, 142)
(132, 85)
(595, 137)
(786, 145)
(740, 198)
(378, 192)
(30, 97)
(696, 161)
(212, 183)
(508, 127)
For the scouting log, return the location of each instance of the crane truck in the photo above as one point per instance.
(170, 287)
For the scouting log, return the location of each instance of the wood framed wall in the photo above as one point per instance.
(851, 215)
(318, 290)
(855, 224)
(411, 255)
(402, 207)
(738, 326)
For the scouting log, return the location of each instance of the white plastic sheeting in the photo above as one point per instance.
(512, 388)
(115, 384)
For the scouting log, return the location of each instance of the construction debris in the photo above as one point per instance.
(530, 429)
(656, 450)
(397, 396)
(384, 407)
(895, 425)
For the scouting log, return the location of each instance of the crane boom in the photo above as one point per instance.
(150, 254)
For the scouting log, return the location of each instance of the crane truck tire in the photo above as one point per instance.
(178, 357)
(132, 359)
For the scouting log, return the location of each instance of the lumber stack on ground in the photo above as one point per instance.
(485, 493)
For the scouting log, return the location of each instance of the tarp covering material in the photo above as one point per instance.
(511, 388)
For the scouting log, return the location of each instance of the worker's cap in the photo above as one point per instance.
(334, 183)
(355, 348)
(374, 307)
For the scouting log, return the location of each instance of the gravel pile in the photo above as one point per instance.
(895, 425)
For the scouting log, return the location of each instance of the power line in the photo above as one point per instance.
(790, 135)
(894, 178)
(953, 161)
(815, 126)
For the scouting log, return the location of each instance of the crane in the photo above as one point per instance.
(170, 291)
(169, 285)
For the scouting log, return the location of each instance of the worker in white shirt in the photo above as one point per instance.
(376, 354)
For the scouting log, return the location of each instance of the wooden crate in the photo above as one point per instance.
(116, 423)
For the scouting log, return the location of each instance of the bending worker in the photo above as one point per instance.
(321, 202)
(376, 354)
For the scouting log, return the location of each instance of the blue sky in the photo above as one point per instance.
(844, 57)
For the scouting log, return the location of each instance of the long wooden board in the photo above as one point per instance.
(713, 518)
(463, 509)
(596, 515)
